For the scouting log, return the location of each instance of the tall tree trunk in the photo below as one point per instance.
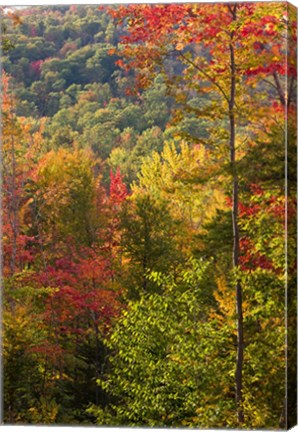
(236, 240)
(97, 360)
(13, 209)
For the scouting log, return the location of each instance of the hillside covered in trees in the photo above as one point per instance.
(148, 217)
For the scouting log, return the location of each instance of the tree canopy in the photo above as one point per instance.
(149, 215)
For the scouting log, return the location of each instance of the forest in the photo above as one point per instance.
(149, 215)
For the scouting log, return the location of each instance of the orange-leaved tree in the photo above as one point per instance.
(236, 54)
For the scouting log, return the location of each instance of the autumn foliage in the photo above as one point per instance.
(149, 215)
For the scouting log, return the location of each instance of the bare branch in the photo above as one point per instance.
(212, 80)
(279, 89)
(291, 88)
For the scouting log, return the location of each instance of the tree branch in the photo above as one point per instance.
(270, 83)
(207, 76)
(291, 90)
(279, 89)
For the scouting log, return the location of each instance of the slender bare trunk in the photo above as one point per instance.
(97, 361)
(14, 209)
(236, 239)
